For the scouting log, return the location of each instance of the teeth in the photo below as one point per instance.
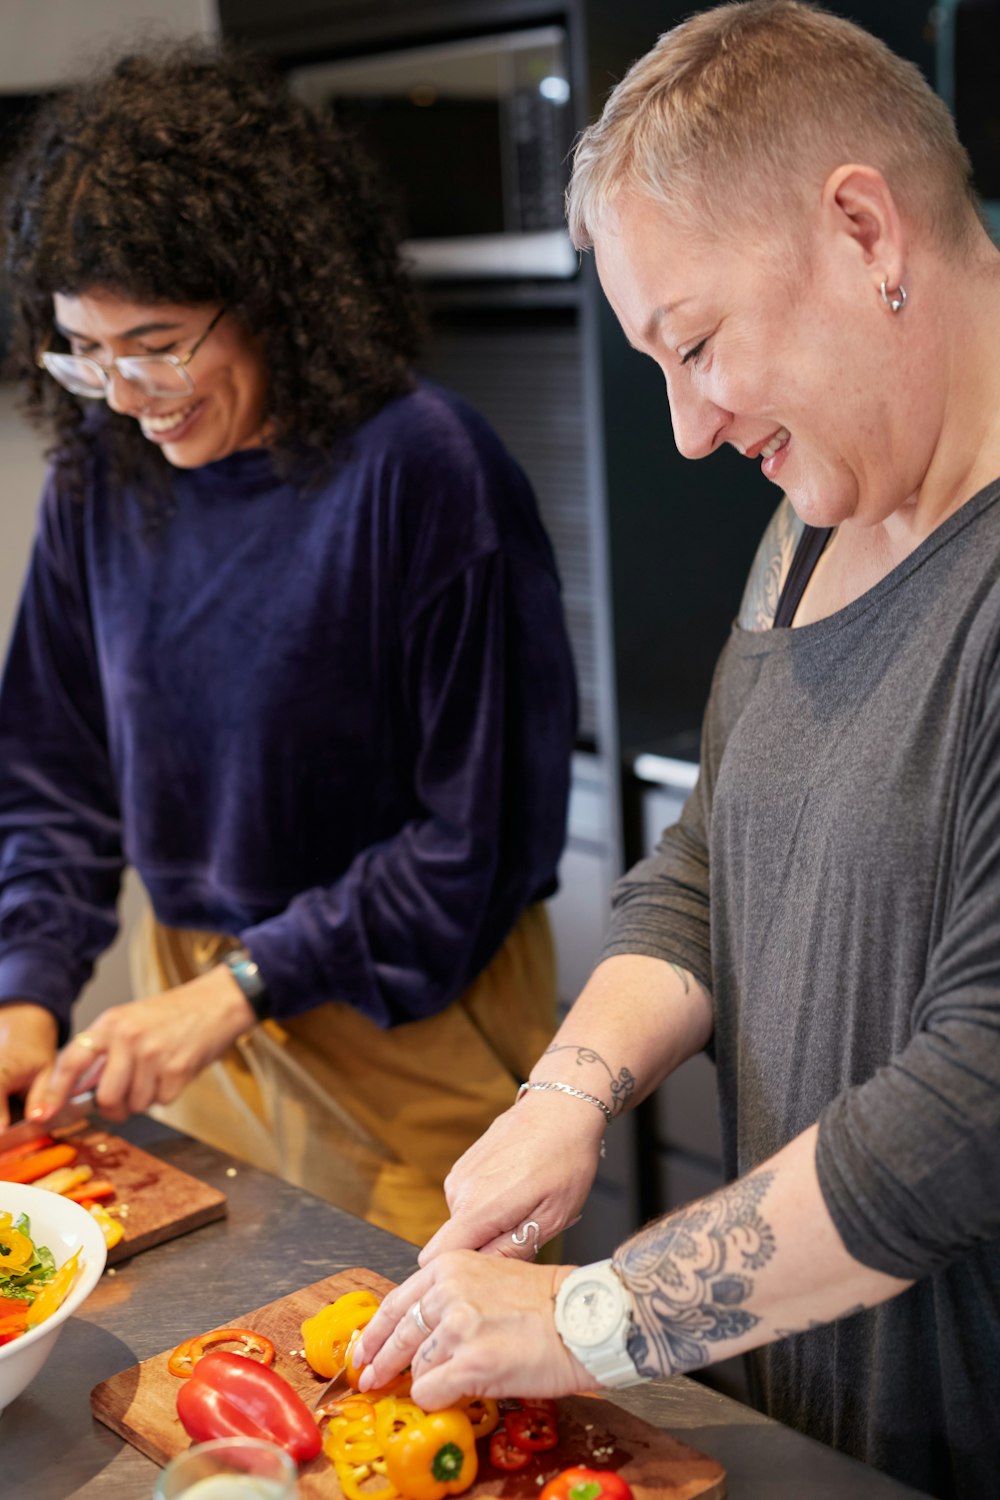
(780, 438)
(170, 420)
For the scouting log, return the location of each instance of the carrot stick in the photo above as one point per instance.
(17, 1153)
(91, 1192)
(33, 1167)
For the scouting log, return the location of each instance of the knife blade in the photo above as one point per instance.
(25, 1131)
(333, 1390)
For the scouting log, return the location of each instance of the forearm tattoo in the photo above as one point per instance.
(682, 975)
(690, 1276)
(770, 568)
(622, 1086)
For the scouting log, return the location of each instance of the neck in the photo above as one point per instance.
(966, 453)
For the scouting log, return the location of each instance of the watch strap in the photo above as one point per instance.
(246, 972)
(610, 1363)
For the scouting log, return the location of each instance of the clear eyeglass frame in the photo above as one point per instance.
(152, 374)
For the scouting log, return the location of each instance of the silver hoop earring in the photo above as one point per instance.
(894, 302)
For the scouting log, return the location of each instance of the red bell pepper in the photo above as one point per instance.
(507, 1455)
(586, 1484)
(229, 1395)
(531, 1429)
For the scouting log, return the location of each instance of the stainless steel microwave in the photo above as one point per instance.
(474, 137)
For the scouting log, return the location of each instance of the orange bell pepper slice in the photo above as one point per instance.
(252, 1345)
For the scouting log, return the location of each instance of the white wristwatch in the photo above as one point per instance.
(593, 1318)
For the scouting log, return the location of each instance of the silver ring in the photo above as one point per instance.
(417, 1315)
(519, 1237)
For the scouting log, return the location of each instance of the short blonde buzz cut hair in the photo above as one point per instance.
(737, 117)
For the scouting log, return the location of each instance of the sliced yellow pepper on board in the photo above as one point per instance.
(327, 1334)
(110, 1228)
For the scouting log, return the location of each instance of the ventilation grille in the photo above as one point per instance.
(524, 374)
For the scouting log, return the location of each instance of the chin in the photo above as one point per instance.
(823, 506)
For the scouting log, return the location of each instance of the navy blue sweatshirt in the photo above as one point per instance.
(337, 724)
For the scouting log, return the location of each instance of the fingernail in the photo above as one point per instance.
(366, 1379)
(40, 1112)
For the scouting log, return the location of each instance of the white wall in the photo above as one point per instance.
(44, 43)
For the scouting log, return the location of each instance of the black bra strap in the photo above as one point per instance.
(807, 555)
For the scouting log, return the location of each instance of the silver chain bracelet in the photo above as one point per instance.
(567, 1088)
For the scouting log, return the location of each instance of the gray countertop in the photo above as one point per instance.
(275, 1239)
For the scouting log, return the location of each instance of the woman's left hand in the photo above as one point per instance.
(146, 1050)
(491, 1332)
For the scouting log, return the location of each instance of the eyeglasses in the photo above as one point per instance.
(152, 374)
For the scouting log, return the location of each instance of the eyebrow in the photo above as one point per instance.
(140, 330)
(658, 314)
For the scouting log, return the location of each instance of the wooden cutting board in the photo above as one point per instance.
(153, 1200)
(140, 1405)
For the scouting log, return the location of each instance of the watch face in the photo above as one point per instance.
(590, 1313)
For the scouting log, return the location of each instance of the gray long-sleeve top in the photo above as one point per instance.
(834, 881)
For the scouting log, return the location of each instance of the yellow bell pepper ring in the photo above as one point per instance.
(435, 1457)
(16, 1250)
(326, 1335)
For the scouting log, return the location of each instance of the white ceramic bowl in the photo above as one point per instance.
(63, 1226)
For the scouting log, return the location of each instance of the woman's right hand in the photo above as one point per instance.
(28, 1036)
(536, 1163)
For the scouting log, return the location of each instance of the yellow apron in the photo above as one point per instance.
(370, 1119)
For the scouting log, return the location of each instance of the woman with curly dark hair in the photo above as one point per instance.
(290, 645)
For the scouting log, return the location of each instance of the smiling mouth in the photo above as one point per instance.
(168, 421)
(772, 445)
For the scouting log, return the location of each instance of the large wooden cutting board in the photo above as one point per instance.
(140, 1405)
(154, 1200)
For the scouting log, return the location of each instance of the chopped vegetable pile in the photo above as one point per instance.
(383, 1446)
(54, 1165)
(31, 1288)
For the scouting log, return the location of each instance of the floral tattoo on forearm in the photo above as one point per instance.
(690, 1276)
(622, 1086)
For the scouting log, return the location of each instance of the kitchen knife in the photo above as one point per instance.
(334, 1390)
(25, 1131)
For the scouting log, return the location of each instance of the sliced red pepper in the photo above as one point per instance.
(541, 1403)
(531, 1430)
(506, 1455)
(254, 1345)
(229, 1395)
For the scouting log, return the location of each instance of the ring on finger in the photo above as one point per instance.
(416, 1313)
(85, 1040)
(519, 1237)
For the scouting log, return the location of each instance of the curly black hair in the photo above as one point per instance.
(187, 174)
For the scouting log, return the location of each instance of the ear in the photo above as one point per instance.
(858, 205)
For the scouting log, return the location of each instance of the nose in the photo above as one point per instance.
(123, 396)
(699, 424)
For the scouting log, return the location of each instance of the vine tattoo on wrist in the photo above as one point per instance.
(622, 1086)
(689, 1276)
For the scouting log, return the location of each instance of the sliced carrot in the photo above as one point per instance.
(94, 1191)
(37, 1165)
(17, 1153)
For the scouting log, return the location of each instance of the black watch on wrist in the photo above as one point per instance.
(250, 980)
